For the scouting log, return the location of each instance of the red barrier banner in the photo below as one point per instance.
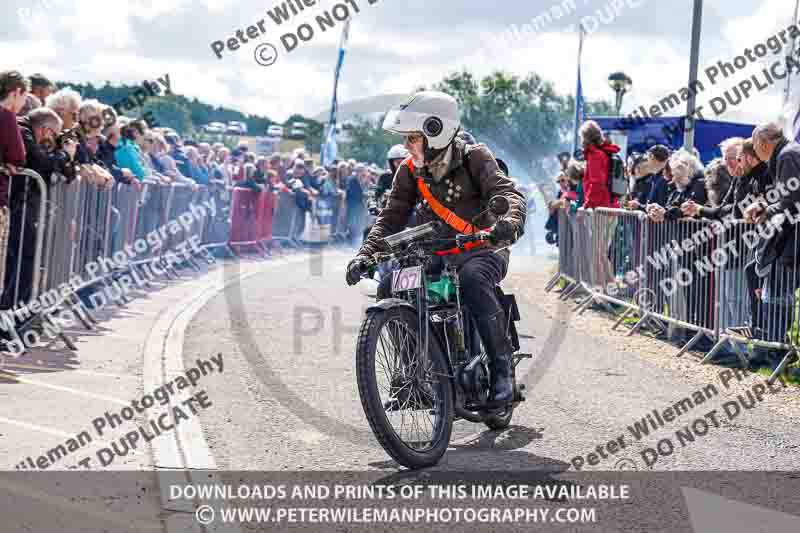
(243, 216)
(251, 217)
(265, 207)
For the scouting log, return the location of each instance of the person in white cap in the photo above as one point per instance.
(397, 154)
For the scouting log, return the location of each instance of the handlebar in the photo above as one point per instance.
(462, 240)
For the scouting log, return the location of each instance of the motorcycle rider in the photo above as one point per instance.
(397, 154)
(445, 179)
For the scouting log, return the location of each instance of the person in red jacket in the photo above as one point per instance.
(596, 152)
(12, 149)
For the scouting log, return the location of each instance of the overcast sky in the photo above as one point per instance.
(394, 47)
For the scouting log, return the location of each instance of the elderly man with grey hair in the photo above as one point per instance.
(730, 149)
(40, 129)
(66, 103)
(775, 264)
(783, 163)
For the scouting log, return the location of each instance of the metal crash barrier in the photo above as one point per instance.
(759, 305)
(23, 241)
(567, 253)
(74, 245)
(286, 219)
(695, 275)
(616, 250)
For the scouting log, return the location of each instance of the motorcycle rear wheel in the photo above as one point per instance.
(387, 348)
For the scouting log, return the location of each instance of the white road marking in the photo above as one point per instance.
(61, 388)
(34, 427)
(71, 371)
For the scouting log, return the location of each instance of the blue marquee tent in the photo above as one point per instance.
(644, 133)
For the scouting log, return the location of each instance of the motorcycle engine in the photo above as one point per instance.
(474, 380)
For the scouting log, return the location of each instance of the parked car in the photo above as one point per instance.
(297, 133)
(275, 131)
(237, 128)
(214, 127)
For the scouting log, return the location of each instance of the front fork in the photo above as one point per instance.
(459, 340)
(423, 324)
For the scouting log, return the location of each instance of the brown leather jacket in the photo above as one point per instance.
(464, 195)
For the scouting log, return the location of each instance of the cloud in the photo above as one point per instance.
(394, 46)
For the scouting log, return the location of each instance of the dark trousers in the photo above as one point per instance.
(20, 256)
(478, 275)
(777, 308)
(753, 283)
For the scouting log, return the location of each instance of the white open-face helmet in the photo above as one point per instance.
(432, 113)
(398, 151)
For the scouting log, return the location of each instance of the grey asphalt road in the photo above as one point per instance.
(288, 398)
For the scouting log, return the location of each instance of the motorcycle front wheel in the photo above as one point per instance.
(407, 397)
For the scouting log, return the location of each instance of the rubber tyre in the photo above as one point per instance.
(371, 400)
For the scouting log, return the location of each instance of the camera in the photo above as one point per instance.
(72, 134)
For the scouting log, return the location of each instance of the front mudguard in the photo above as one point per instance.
(389, 303)
(434, 343)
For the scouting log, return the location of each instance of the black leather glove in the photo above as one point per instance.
(355, 268)
(504, 231)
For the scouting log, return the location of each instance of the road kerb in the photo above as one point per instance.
(183, 454)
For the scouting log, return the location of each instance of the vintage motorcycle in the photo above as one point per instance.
(419, 360)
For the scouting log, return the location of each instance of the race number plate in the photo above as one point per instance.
(407, 279)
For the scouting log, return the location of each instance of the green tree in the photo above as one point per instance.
(170, 114)
(370, 142)
(522, 119)
(314, 131)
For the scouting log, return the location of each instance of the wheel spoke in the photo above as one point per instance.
(411, 399)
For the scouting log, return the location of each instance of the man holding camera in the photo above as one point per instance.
(45, 153)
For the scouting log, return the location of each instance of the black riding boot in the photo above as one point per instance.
(499, 351)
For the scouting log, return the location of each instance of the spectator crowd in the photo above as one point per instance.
(64, 137)
(750, 183)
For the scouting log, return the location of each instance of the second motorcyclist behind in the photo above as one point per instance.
(445, 179)
(397, 154)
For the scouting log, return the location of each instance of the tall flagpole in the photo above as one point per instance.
(329, 148)
(788, 93)
(578, 94)
(791, 105)
(691, 104)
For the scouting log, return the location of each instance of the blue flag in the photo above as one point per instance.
(579, 115)
(329, 149)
